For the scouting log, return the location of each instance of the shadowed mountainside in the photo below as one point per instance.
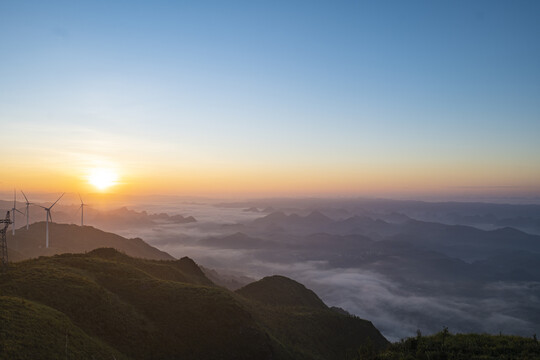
(65, 238)
(108, 304)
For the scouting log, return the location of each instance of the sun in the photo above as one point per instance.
(102, 178)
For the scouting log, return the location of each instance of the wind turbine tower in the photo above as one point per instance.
(82, 210)
(49, 216)
(27, 207)
(13, 210)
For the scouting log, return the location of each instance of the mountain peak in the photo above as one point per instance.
(282, 291)
(318, 216)
(189, 266)
(274, 217)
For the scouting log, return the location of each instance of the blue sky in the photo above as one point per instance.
(354, 87)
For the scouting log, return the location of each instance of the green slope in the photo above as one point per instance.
(29, 330)
(150, 309)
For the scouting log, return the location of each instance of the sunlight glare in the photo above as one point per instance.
(102, 178)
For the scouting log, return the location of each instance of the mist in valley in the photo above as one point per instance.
(387, 261)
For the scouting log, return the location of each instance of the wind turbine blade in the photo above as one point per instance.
(50, 215)
(14, 198)
(25, 198)
(43, 207)
(50, 207)
(81, 199)
(19, 211)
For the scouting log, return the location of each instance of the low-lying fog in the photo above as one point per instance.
(403, 265)
(376, 263)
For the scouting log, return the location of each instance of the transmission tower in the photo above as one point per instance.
(3, 241)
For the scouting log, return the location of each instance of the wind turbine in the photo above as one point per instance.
(27, 207)
(48, 211)
(14, 209)
(82, 210)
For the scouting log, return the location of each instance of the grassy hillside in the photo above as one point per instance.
(110, 304)
(69, 238)
(31, 330)
(299, 320)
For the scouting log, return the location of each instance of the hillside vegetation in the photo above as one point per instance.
(447, 346)
(105, 304)
(52, 333)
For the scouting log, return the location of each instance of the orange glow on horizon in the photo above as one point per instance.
(369, 179)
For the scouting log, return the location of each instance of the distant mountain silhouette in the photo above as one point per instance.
(124, 217)
(236, 241)
(395, 217)
(525, 217)
(293, 221)
(176, 219)
(465, 242)
(120, 218)
(361, 225)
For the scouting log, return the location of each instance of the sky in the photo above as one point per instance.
(251, 98)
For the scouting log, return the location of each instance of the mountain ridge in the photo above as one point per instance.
(70, 238)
